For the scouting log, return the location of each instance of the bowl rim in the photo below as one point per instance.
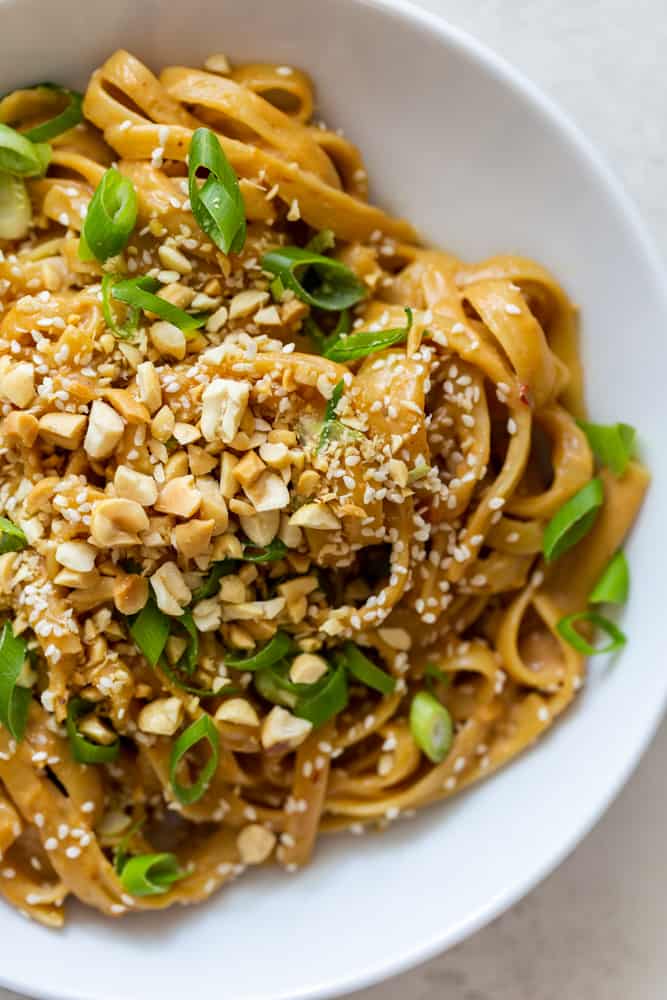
(438, 942)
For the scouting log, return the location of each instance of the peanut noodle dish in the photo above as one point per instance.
(303, 523)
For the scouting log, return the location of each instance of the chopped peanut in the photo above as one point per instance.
(171, 591)
(193, 538)
(228, 482)
(135, 486)
(207, 615)
(268, 493)
(213, 506)
(397, 638)
(179, 496)
(161, 717)
(315, 515)
(238, 711)
(79, 556)
(282, 731)
(130, 594)
(18, 384)
(162, 426)
(255, 844)
(307, 668)
(224, 403)
(232, 590)
(148, 384)
(20, 428)
(117, 522)
(65, 430)
(247, 302)
(127, 406)
(105, 430)
(200, 462)
(261, 528)
(173, 259)
(168, 340)
(249, 468)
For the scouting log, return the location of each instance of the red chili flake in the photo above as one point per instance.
(525, 395)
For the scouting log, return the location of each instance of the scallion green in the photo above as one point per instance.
(328, 699)
(210, 586)
(573, 521)
(567, 631)
(150, 630)
(12, 538)
(366, 671)
(276, 649)
(84, 751)
(150, 874)
(320, 281)
(360, 345)
(139, 294)
(21, 157)
(110, 219)
(272, 552)
(63, 122)
(431, 726)
(217, 205)
(612, 444)
(15, 207)
(614, 584)
(330, 415)
(202, 729)
(14, 700)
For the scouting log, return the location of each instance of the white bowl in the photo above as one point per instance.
(472, 153)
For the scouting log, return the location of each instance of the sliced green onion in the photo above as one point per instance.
(12, 539)
(202, 729)
(431, 726)
(190, 658)
(120, 853)
(322, 241)
(276, 649)
(275, 687)
(127, 329)
(110, 219)
(84, 751)
(138, 294)
(614, 584)
(366, 671)
(210, 586)
(277, 290)
(63, 122)
(150, 874)
(150, 630)
(567, 631)
(574, 520)
(15, 207)
(224, 692)
(328, 700)
(612, 444)
(330, 414)
(272, 552)
(320, 281)
(14, 700)
(360, 345)
(21, 157)
(218, 205)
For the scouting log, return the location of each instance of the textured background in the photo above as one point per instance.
(595, 929)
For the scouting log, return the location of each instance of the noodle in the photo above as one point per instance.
(200, 462)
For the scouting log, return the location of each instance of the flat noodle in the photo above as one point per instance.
(414, 529)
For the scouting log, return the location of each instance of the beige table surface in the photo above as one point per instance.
(595, 930)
